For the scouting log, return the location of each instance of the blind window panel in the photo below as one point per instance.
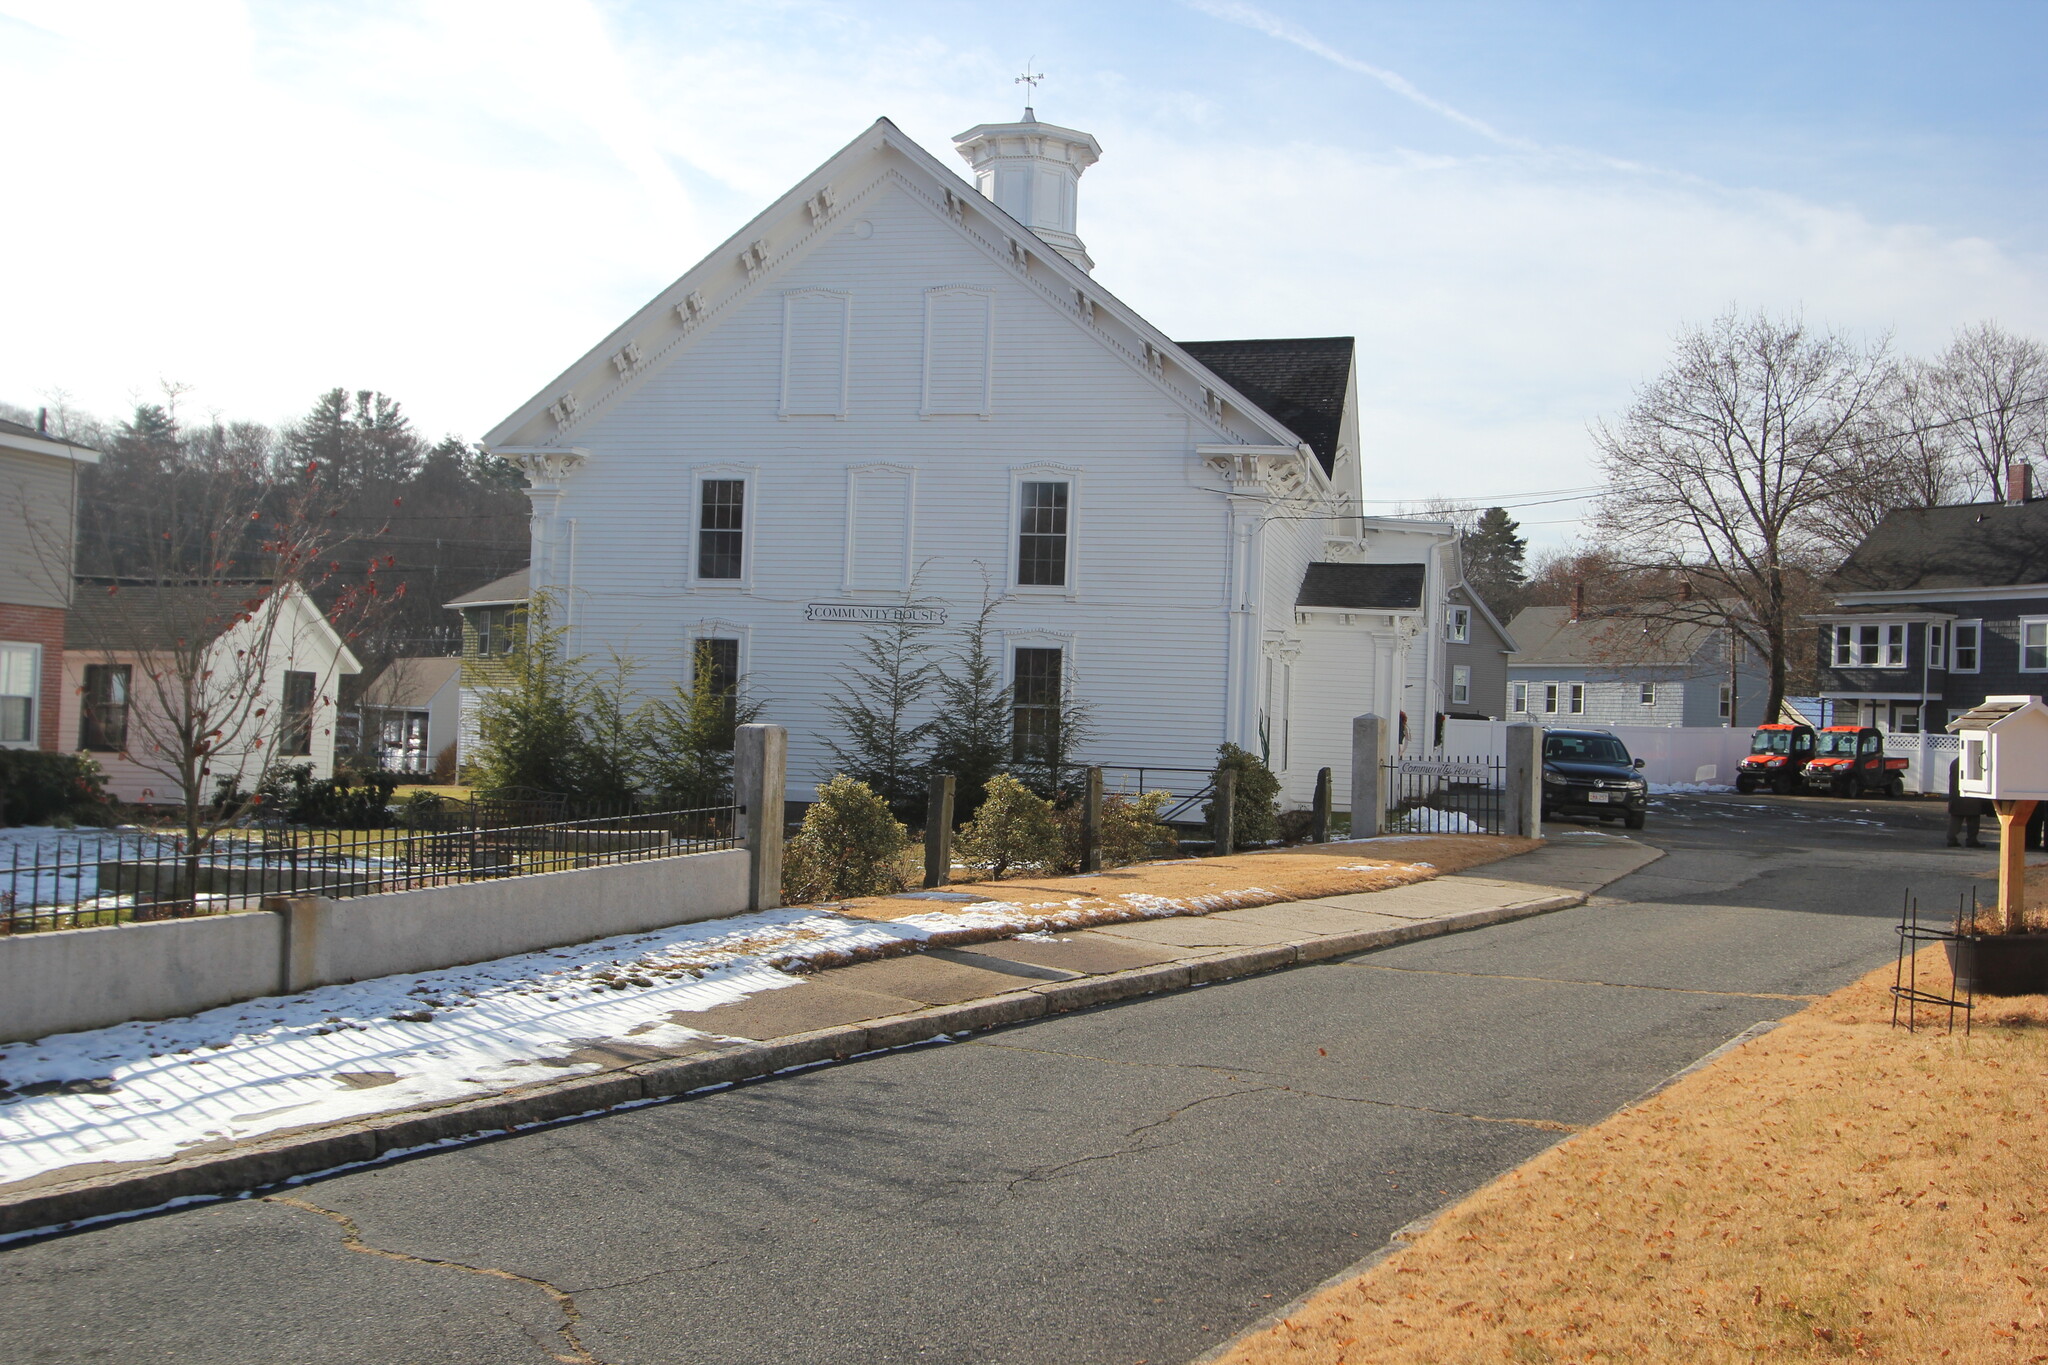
(17, 694)
(814, 355)
(956, 375)
(1042, 535)
(721, 528)
(878, 530)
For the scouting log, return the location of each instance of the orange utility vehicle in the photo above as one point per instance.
(1849, 761)
(1777, 755)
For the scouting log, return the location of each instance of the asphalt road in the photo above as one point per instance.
(1130, 1184)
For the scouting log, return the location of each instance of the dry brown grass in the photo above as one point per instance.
(1833, 1190)
(1242, 879)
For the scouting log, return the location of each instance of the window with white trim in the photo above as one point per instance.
(1461, 685)
(1646, 693)
(1458, 625)
(1727, 700)
(1937, 645)
(1043, 511)
(1550, 691)
(1034, 700)
(721, 529)
(1577, 699)
(1881, 646)
(2034, 644)
(1519, 700)
(1967, 641)
(18, 694)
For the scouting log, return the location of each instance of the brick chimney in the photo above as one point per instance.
(1578, 600)
(2019, 482)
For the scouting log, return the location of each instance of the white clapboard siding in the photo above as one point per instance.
(814, 359)
(959, 337)
(879, 514)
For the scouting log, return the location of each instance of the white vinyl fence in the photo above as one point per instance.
(1681, 757)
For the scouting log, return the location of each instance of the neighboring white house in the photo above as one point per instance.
(889, 388)
(411, 713)
(264, 665)
(1586, 667)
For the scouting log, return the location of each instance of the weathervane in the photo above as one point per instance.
(1029, 80)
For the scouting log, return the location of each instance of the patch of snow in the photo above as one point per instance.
(1670, 788)
(1439, 821)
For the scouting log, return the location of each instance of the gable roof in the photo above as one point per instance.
(1362, 587)
(1552, 639)
(412, 682)
(16, 436)
(806, 214)
(1969, 545)
(145, 618)
(511, 590)
(1299, 381)
(1470, 595)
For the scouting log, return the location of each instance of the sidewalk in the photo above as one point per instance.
(149, 1114)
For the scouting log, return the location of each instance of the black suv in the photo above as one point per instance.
(1589, 773)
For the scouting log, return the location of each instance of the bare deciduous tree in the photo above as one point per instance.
(1990, 388)
(1724, 466)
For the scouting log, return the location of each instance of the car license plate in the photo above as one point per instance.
(1597, 798)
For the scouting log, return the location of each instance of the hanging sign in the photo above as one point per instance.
(862, 613)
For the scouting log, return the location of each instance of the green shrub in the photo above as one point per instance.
(344, 801)
(1015, 828)
(850, 845)
(1256, 809)
(1131, 832)
(38, 787)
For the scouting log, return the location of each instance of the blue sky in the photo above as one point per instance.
(1512, 206)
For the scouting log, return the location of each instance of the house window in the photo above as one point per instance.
(1727, 699)
(1520, 703)
(1937, 645)
(1646, 693)
(1042, 534)
(1461, 685)
(1870, 646)
(1035, 701)
(1550, 699)
(103, 725)
(1458, 626)
(1577, 699)
(17, 694)
(296, 733)
(1906, 718)
(495, 630)
(1969, 635)
(715, 661)
(2033, 644)
(721, 528)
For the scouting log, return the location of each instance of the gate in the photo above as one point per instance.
(1447, 795)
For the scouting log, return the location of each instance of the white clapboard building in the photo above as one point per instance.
(889, 385)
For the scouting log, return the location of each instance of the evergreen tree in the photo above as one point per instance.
(1493, 560)
(1255, 809)
(528, 733)
(849, 846)
(612, 737)
(690, 739)
(1042, 752)
(879, 742)
(971, 734)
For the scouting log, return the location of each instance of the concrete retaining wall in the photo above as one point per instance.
(71, 979)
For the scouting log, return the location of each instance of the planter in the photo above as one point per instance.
(2000, 964)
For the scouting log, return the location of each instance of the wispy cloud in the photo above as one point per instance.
(1273, 26)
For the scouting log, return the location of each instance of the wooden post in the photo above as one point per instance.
(760, 761)
(2012, 862)
(1223, 823)
(1091, 822)
(938, 831)
(1319, 828)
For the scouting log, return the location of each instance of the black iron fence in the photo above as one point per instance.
(1186, 788)
(81, 878)
(1447, 795)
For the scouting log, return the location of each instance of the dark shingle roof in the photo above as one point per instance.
(513, 587)
(1362, 587)
(1297, 381)
(134, 616)
(1973, 545)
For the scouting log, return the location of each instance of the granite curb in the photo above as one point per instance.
(265, 1162)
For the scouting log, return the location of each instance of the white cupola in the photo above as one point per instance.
(1031, 170)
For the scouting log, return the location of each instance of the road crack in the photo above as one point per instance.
(1039, 1174)
(1575, 981)
(1230, 1072)
(352, 1238)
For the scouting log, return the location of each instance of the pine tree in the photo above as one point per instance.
(690, 739)
(1493, 560)
(612, 737)
(971, 734)
(879, 742)
(527, 729)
